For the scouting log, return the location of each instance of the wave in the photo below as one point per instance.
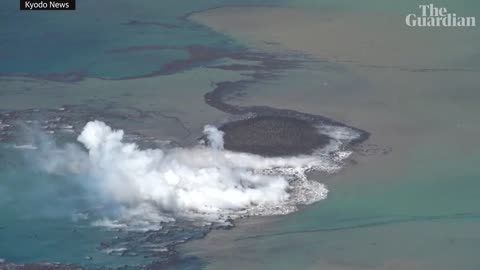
(24, 146)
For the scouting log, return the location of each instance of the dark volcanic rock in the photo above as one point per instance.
(273, 136)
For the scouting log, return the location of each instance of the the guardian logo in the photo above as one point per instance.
(47, 5)
(431, 16)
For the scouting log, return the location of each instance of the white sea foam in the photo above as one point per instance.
(109, 223)
(340, 136)
(203, 182)
(119, 250)
(25, 147)
(339, 133)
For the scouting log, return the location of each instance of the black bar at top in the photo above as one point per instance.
(47, 4)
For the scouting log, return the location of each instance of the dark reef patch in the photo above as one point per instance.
(273, 136)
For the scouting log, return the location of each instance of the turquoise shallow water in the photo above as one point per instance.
(57, 42)
(431, 193)
(427, 219)
(38, 221)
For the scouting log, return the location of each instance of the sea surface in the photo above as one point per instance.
(411, 202)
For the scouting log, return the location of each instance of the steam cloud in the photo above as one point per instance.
(214, 136)
(202, 181)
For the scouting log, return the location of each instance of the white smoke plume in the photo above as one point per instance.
(202, 181)
(214, 136)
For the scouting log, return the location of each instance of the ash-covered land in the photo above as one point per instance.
(273, 136)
